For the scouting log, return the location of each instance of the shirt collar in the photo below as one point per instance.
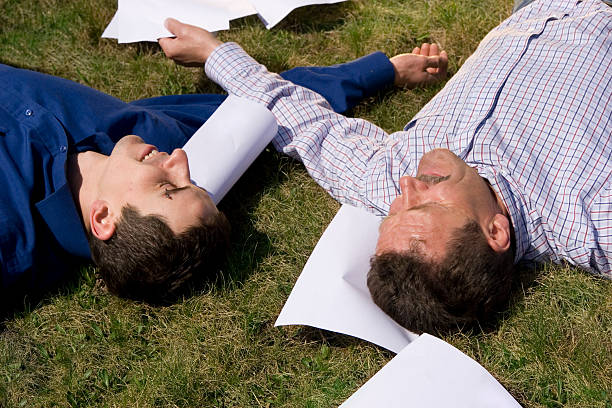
(60, 213)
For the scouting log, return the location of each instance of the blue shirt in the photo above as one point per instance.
(531, 110)
(43, 119)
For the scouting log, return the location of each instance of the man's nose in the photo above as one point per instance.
(413, 191)
(178, 166)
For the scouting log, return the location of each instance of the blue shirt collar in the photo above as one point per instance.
(61, 215)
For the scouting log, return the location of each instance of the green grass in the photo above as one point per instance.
(82, 347)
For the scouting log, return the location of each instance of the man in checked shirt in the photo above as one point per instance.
(510, 162)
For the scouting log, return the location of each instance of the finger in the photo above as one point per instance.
(173, 25)
(443, 65)
(163, 42)
(434, 49)
(432, 62)
(425, 49)
(437, 66)
(166, 44)
(440, 71)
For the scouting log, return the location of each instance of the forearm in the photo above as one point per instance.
(338, 152)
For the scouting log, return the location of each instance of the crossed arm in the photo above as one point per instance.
(193, 45)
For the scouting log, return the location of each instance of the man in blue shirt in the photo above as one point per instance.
(72, 181)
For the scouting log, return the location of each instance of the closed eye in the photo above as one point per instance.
(168, 192)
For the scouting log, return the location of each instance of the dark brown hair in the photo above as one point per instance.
(463, 290)
(145, 260)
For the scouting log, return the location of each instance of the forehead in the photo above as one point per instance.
(419, 221)
(426, 228)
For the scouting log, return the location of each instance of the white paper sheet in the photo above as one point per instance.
(271, 12)
(226, 145)
(332, 294)
(234, 8)
(112, 29)
(431, 373)
(142, 20)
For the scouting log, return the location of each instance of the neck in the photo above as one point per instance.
(83, 172)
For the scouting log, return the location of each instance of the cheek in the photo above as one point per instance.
(140, 177)
(473, 191)
(395, 205)
(133, 188)
(383, 235)
(389, 237)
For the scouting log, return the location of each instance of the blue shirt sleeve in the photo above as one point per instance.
(345, 85)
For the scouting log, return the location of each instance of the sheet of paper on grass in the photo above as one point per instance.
(431, 373)
(331, 293)
(142, 20)
(226, 145)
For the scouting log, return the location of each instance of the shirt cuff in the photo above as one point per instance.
(377, 72)
(226, 62)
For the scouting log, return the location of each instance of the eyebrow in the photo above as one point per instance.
(425, 205)
(416, 208)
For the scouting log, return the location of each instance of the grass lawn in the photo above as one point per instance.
(81, 347)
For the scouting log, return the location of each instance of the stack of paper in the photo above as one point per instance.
(143, 20)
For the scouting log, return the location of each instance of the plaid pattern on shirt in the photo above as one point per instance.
(530, 109)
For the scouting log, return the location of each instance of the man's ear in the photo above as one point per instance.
(101, 220)
(498, 233)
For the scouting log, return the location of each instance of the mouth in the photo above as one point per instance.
(149, 153)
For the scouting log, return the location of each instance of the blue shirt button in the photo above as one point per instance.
(63, 149)
(29, 112)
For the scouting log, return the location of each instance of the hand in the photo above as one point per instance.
(425, 65)
(192, 45)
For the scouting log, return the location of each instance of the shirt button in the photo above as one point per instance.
(29, 112)
(63, 149)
